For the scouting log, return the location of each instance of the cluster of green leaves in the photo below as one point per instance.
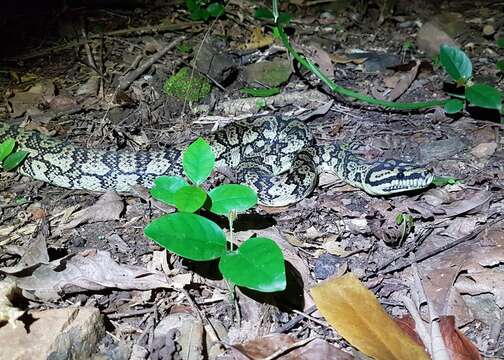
(257, 263)
(459, 67)
(10, 159)
(202, 10)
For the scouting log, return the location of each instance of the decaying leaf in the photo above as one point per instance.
(257, 39)
(33, 256)
(458, 344)
(89, 270)
(357, 315)
(108, 207)
(287, 348)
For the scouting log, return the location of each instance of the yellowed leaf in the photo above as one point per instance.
(257, 40)
(357, 315)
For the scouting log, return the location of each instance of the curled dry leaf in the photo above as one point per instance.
(357, 315)
(108, 207)
(90, 270)
(459, 346)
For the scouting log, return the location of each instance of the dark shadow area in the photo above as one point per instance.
(290, 299)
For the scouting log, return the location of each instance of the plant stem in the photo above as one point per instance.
(344, 91)
(231, 217)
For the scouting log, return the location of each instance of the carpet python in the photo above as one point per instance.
(276, 156)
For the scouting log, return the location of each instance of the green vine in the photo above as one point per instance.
(278, 30)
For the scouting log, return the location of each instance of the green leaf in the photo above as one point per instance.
(14, 160)
(445, 180)
(453, 106)
(229, 197)
(500, 42)
(215, 9)
(260, 92)
(165, 188)
(198, 161)
(188, 235)
(258, 264)
(6, 148)
(399, 218)
(500, 65)
(456, 63)
(192, 5)
(484, 96)
(263, 13)
(189, 199)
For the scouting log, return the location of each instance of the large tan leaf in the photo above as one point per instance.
(357, 316)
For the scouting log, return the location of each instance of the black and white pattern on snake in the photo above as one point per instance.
(276, 156)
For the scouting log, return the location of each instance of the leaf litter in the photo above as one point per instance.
(99, 256)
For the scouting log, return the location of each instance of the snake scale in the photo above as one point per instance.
(276, 156)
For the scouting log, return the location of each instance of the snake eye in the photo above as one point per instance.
(400, 175)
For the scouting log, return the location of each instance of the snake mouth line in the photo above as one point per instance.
(409, 184)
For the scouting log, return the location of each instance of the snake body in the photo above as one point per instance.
(276, 156)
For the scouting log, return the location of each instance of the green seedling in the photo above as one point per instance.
(406, 224)
(459, 68)
(202, 10)
(258, 263)
(453, 60)
(10, 159)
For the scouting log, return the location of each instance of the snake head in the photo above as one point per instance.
(393, 176)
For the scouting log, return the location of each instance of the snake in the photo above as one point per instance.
(275, 155)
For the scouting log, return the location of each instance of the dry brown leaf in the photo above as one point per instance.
(109, 207)
(257, 40)
(264, 347)
(473, 268)
(323, 60)
(357, 315)
(404, 83)
(458, 344)
(89, 270)
(476, 202)
(33, 256)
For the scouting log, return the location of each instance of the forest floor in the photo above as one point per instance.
(77, 74)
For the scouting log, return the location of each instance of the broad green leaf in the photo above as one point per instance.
(456, 63)
(500, 65)
(6, 148)
(453, 106)
(484, 96)
(229, 197)
(500, 42)
(263, 13)
(258, 264)
(215, 9)
(188, 235)
(260, 92)
(14, 160)
(189, 199)
(198, 161)
(165, 188)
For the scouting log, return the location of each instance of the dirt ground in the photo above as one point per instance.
(66, 71)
